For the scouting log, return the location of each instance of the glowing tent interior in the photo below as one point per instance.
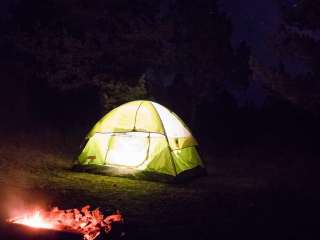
(140, 136)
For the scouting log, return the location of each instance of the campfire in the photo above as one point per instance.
(88, 223)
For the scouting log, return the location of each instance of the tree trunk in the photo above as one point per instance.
(193, 113)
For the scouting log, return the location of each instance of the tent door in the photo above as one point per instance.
(129, 150)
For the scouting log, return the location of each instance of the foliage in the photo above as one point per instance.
(202, 55)
(303, 15)
(297, 45)
(109, 45)
(117, 93)
(111, 51)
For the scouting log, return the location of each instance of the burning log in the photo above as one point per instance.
(14, 231)
(90, 224)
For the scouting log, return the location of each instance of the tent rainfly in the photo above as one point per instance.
(140, 136)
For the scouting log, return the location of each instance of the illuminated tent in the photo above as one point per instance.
(141, 136)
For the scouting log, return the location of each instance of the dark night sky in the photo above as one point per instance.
(253, 21)
(256, 22)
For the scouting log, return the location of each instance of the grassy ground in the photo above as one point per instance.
(244, 195)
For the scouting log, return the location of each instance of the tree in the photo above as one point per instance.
(202, 53)
(241, 71)
(115, 93)
(297, 46)
(108, 45)
(112, 44)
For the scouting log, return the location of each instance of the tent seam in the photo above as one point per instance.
(135, 117)
(165, 134)
(109, 143)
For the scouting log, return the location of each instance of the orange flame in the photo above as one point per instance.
(89, 223)
(35, 220)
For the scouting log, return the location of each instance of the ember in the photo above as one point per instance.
(89, 223)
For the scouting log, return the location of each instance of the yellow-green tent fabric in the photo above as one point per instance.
(141, 135)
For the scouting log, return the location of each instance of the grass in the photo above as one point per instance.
(237, 198)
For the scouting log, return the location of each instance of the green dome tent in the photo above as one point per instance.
(140, 136)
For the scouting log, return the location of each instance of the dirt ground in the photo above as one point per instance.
(238, 199)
